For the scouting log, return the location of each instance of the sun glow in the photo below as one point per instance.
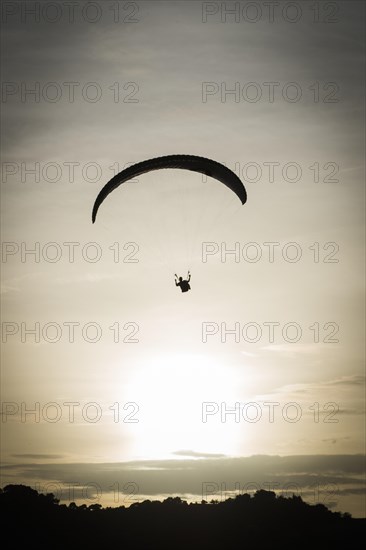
(170, 392)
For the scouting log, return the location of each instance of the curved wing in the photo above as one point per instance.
(186, 162)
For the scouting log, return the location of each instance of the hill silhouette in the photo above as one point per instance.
(264, 521)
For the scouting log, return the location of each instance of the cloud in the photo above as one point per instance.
(344, 382)
(335, 440)
(249, 354)
(154, 477)
(14, 284)
(326, 479)
(5, 289)
(347, 381)
(39, 456)
(289, 349)
(199, 455)
(91, 278)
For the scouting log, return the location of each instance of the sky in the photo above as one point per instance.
(117, 387)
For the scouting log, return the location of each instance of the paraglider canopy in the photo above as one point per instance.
(186, 162)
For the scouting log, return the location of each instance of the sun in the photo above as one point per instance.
(171, 392)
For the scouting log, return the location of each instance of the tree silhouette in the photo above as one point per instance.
(264, 520)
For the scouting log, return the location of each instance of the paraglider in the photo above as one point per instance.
(185, 162)
(184, 284)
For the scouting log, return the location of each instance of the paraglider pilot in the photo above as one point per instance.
(184, 284)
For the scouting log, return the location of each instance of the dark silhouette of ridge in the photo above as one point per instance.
(264, 521)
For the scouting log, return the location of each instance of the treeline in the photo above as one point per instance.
(265, 520)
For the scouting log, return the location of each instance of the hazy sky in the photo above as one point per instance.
(131, 380)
